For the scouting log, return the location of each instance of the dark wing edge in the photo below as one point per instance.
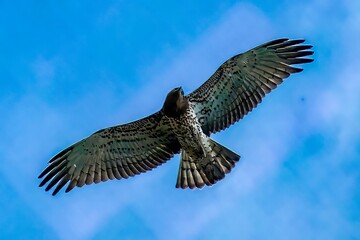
(241, 82)
(112, 153)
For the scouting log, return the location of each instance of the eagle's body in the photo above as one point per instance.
(188, 131)
(184, 124)
(201, 161)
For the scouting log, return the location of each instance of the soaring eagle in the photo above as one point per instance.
(183, 125)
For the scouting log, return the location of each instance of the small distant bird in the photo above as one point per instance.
(183, 125)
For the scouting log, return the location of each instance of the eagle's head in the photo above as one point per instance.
(175, 103)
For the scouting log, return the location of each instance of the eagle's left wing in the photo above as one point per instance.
(241, 82)
(116, 152)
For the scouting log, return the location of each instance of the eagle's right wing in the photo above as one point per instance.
(241, 82)
(116, 152)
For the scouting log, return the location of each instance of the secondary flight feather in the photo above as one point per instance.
(183, 125)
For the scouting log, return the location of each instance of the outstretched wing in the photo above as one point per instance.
(241, 82)
(116, 152)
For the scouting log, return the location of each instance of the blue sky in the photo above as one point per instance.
(70, 69)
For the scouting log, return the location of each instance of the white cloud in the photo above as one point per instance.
(263, 147)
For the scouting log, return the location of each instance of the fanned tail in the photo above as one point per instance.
(199, 172)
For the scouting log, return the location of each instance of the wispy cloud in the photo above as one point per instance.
(191, 66)
(279, 180)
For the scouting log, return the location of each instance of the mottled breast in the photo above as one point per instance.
(189, 133)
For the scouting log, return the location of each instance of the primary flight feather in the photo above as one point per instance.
(183, 125)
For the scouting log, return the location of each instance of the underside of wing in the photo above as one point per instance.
(116, 152)
(241, 82)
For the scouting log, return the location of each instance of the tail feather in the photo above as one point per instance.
(199, 172)
(189, 175)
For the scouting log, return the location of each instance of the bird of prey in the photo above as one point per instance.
(183, 125)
